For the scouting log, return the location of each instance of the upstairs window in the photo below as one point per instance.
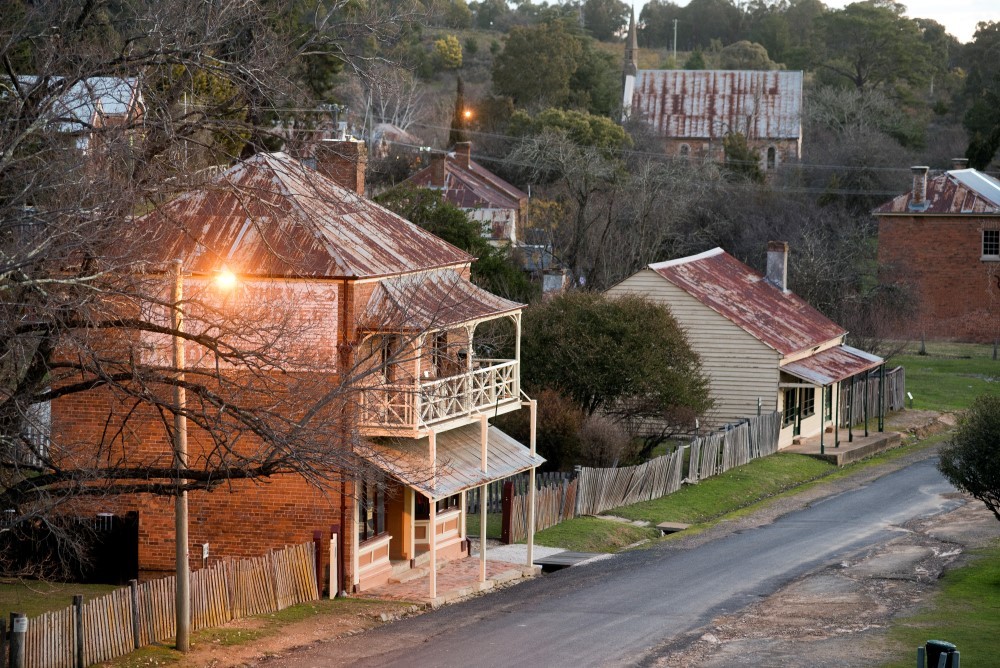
(991, 244)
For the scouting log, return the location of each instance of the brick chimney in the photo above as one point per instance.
(919, 198)
(959, 163)
(437, 170)
(343, 162)
(777, 264)
(463, 149)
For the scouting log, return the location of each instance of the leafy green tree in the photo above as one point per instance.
(458, 120)
(605, 19)
(741, 160)
(625, 357)
(595, 85)
(582, 128)
(869, 43)
(457, 15)
(494, 269)
(744, 55)
(982, 91)
(656, 23)
(971, 460)
(491, 14)
(536, 65)
(448, 52)
(696, 61)
(706, 20)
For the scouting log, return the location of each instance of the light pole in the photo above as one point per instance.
(183, 581)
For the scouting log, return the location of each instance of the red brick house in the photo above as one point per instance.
(497, 205)
(386, 316)
(943, 239)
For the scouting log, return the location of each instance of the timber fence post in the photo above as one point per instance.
(3, 643)
(133, 586)
(506, 508)
(18, 631)
(78, 618)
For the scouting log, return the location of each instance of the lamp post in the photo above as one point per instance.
(183, 583)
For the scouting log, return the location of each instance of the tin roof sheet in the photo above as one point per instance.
(429, 301)
(710, 103)
(832, 365)
(459, 465)
(782, 321)
(472, 188)
(956, 192)
(272, 216)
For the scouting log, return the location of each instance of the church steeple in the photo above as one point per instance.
(631, 49)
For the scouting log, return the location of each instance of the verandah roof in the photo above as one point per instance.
(832, 365)
(458, 460)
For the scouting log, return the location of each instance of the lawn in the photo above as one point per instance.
(589, 534)
(950, 375)
(33, 597)
(965, 611)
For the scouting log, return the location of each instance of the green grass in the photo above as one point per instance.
(734, 489)
(33, 597)
(494, 525)
(589, 534)
(964, 611)
(950, 375)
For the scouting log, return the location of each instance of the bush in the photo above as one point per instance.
(971, 460)
(604, 444)
(557, 431)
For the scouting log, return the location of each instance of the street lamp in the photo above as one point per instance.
(183, 582)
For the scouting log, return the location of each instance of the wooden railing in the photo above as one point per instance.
(434, 401)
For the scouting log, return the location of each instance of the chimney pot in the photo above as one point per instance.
(959, 163)
(919, 185)
(777, 264)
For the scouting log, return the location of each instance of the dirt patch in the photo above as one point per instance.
(838, 615)
(914, 424)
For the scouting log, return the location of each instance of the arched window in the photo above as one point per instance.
(685, 151)
(772, 157)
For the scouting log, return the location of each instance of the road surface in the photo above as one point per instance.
(617, 611)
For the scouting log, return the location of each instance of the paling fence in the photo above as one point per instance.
(720, 451)
(851, 406)
(603, 489)
(555, 502)
(494, 490)
(124, 620)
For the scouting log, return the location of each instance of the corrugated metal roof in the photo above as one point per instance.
(710, 103)
(472, 188)
(458, 457)
(431, 300)
(780, 320)
(959, 191)
(832, 365)
(272, 216)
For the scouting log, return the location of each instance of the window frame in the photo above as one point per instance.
(807, 401)
(790, 407)
(370, 525)
(992, 244)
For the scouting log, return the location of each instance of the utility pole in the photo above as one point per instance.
(182, 583)
(675, 42)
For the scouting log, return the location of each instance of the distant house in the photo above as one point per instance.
(693, 110)
(943, 239)
(484, 196)
(762, 347)
(385, 135)
(83, 108)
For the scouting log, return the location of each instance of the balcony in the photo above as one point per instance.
(442, 403)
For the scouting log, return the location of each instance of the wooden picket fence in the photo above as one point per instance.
(141, 614)
(720, 451)
(494, 494)
(554, 503)
(853, 410)
(603, 489)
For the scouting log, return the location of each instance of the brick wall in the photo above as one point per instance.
(939, 256)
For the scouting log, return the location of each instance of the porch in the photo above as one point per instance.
(847, 451)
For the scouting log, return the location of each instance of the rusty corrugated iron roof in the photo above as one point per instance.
(458, 460)
(429, 301)
(780, 320)
(832, 365)
(709, 103)
(472, 188)
(956, 192)
(272, 216)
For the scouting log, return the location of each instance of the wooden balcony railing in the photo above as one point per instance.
(425, 404)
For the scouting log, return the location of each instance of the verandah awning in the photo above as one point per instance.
(832, 365)
(458, 460)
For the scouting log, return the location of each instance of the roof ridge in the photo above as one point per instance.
(684, 260)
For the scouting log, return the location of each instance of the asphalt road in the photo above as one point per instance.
(616, 611)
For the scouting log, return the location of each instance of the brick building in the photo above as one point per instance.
(693, 110)
(943, 239)
(378, 338)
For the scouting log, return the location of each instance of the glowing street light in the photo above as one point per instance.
(225, 280)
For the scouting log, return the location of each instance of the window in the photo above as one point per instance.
(828, 402)
(422, 506)
(389, 349)
(371, 512)
(790, 412)
(991, 244)
(808, 401)
(772, 157)
(439, 354)
(685, 151)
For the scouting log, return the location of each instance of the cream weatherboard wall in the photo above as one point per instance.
(741, 368)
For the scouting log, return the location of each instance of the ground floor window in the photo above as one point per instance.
(371, 512)
(790, 411)
(828, 402)
(808, 398)
(991, 244)
(423, 506)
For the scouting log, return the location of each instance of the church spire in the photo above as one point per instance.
(631, 49)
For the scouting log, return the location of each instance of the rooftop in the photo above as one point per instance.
(959, 191)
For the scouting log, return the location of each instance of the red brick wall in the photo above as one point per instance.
(939, 256)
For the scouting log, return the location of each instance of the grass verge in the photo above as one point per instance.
(963, 611)
(589, 534)
(33, 597)
(950, 375)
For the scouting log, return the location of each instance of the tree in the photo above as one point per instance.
(982, 93)
(605, 19)
(458, 120)
(869, 43)
(80, 303)
(742, 160)
(656, 23)
(971, 460)
(625, 357)
(448, 52)
(744, 55)
(536, 64)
